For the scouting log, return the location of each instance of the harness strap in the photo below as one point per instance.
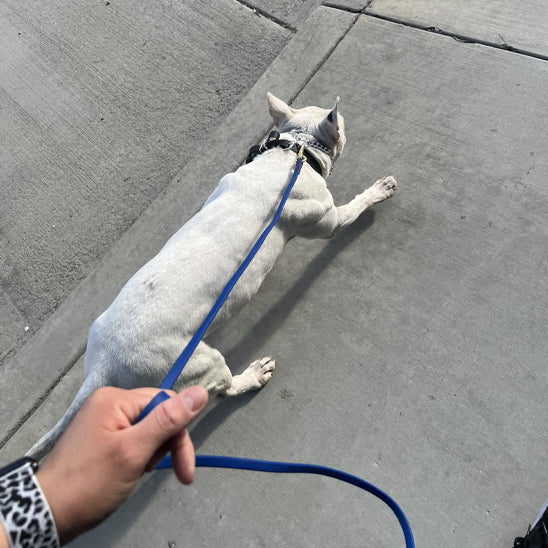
(251, 464)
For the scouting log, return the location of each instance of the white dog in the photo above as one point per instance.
(137, 339)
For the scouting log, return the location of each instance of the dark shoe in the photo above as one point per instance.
(537, 535)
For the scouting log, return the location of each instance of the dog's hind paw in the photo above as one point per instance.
(254, 377)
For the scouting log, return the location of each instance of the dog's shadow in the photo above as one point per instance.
(217, 412)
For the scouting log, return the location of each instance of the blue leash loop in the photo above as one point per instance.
(215, 461)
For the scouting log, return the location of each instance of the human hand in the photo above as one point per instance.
(99, 459)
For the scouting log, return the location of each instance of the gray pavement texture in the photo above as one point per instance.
(100, 105)
(411, 349)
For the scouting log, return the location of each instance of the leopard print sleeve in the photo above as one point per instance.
(24, 510)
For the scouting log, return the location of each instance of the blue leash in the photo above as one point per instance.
(214, 461)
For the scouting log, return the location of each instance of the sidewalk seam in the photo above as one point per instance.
(329, 54)
(435, 30)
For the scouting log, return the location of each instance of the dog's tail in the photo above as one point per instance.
(92, 382)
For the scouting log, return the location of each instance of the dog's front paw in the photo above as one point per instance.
(261, 370)
(383, 188)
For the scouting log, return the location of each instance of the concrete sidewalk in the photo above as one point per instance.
(411, 349)
(100, 105)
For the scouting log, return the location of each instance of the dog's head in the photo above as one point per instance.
(326, 126)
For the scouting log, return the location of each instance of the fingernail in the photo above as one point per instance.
(194, 398)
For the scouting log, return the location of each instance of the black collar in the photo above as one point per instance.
(274, 141)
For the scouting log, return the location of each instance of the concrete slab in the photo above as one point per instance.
(39, 365)
(508, 24)
(100, 105)
(411, 348)
(455, 311)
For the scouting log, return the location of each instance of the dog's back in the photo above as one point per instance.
(163, 304)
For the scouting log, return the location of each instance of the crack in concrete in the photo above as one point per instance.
(349, 9)
(259, 11)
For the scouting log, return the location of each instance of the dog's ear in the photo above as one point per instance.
(280, 111)
(332, 123)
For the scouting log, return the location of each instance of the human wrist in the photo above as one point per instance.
(3, 537)
(47, 486)
(65, 509)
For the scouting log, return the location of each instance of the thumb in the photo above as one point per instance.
(169, 418)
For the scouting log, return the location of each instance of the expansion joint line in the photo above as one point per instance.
(49, 389)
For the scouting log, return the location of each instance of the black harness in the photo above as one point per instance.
(273, 140)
